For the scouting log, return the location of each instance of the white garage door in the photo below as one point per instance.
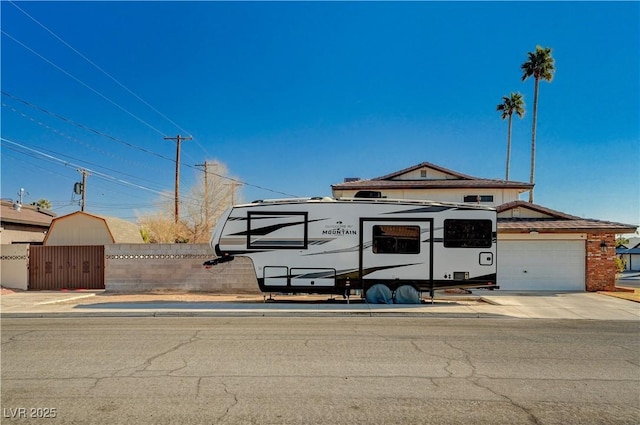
(541, 265)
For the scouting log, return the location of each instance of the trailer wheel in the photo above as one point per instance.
(407, 294)
(379, 294)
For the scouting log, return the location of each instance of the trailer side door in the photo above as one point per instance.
(396, 251)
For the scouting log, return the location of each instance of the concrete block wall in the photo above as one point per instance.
(149, 267)
(14, 266)
(601, 269)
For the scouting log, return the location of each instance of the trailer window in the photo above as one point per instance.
(467, 233)
(396, 239)
(277, 230)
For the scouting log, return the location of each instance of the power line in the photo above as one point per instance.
(34, 153)
(94, 172)
(84, 127)
(114, 103)
(75, 140)
(40, 169)
(98, 67)
(94, 164)
(130, 145)
(83, 83)
(107, 74)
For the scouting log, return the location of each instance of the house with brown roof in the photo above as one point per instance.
(26, 224)
(435, 183)
(538, 248)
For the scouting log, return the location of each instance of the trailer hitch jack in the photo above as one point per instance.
(210, 263)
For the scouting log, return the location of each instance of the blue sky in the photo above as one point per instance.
(295, 96)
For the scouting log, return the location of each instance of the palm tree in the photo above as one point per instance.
(510, 104)
(540, 65)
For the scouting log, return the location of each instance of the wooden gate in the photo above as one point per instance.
(66, 267)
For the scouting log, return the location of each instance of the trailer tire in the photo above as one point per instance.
(406, 294)
(379, 294)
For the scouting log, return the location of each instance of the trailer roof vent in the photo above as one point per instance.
(368, 194)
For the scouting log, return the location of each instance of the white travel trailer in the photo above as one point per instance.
(382, 247)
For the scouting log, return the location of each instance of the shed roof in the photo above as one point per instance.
(451, 180)
(121, 231)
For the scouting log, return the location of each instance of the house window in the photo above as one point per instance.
(423, 174)
(478, 198)
(396, 239)
(467, 233)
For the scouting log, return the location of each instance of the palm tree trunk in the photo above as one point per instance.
(508, 146)
(533, 138)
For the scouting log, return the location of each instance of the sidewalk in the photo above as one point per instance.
(481, 304)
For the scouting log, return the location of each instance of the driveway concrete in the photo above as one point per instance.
(482, 304)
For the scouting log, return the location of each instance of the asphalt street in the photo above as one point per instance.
(319, 370)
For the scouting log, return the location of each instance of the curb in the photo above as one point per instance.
(211, 314)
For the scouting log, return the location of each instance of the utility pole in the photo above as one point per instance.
(233, 185)
(84, 173)
(178, 140)
(233, 193)
(206, 190)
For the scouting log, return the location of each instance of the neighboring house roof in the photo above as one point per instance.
(521, 216)
(448, 179)
(120, 231)
(634, 251)
(624, 250)
(28, 214)
(631, 243)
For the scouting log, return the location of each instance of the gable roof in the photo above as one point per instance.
(120, 231)
(448, 179)
(28, 214)
(630, 251)
(532, 217)
(452, 174)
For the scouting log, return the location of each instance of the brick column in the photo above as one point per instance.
(601, 268)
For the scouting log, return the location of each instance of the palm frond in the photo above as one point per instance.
(510, 104)
(540, 64)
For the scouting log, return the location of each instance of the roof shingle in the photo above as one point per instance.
(28, 214)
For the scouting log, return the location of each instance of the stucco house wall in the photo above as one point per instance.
(14, 266)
